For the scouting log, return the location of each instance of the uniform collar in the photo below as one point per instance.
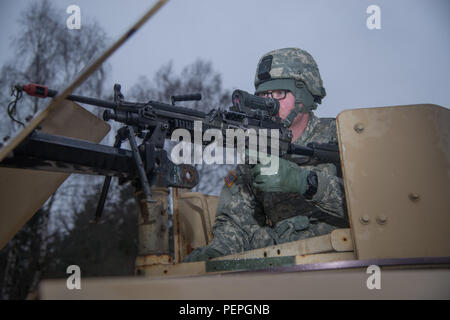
(307, 134)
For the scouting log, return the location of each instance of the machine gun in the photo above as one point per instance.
(148, 165)
(155, 121)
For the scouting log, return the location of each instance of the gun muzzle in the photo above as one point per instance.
(39, 90)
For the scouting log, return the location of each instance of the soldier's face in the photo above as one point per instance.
(286, 105)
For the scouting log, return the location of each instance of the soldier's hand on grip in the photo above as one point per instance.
(287, 178)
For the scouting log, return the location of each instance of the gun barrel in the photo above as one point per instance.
(177, 109)
(41, 91)
(326, 153)
(92, 101)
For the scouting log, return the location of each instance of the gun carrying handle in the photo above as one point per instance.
(186, 97)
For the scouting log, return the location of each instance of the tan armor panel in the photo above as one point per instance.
(23, 192)
(194, 215)
(396, 167)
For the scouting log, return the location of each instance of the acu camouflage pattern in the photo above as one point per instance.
(244, 214)
(294, 63)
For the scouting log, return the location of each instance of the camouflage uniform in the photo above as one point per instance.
(244, 214)
(248, 218)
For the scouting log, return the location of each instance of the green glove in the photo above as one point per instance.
(289, 178)
(202, 254)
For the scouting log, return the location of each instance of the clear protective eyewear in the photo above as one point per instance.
(275, 94)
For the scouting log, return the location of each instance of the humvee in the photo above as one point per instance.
(396, 171)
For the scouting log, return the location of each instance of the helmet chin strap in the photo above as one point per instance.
(304, 102)
(298, 106)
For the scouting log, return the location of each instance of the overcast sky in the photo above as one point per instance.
(404, 62)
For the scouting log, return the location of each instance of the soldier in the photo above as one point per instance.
(298, 202)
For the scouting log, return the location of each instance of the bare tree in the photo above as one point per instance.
(46, 52)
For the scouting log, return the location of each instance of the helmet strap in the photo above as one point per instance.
(304, 101)
(291, 116)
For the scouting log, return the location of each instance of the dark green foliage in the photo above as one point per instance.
(19, 260)
(107, 248)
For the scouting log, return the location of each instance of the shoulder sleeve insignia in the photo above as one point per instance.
(230, 178)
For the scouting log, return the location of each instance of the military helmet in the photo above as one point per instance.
(291, 69)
